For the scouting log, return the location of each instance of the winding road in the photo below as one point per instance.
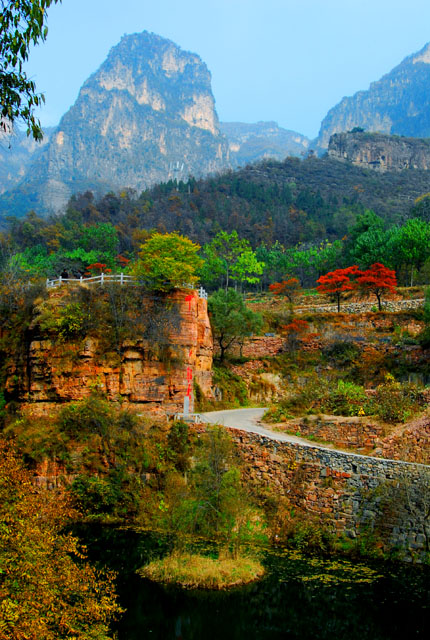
(250, 420)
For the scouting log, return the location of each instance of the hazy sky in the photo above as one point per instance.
(283, 60)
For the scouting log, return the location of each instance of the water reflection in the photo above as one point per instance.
(299, 598)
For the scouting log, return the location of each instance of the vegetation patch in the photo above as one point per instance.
(391, 401)
(193, 571)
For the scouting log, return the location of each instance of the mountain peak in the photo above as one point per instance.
(398, 103)
(423, 55)
(148, 108)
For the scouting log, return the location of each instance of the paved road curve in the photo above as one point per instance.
(249, 420)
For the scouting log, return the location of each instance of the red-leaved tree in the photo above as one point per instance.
(97, 267)
(377, 280)
(337, 282)
(293, 331)
(288, 288)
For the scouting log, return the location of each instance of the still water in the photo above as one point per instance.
(302, 597)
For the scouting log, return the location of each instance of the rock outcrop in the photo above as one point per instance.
(398, 103)
(147, 115)
(380, 152)
(146, 375)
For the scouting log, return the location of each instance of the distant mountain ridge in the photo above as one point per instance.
(398, 103)
(253, 142)
(16, 152)
(148, 115)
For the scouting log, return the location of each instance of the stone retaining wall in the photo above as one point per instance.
(355, 493)
(354, 432)
(412, 443)
(364, 307)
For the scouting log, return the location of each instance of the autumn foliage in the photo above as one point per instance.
(47, 589)
(294, 331)
(296, 326)
(377, 279)
(98, 267)
(288, 288)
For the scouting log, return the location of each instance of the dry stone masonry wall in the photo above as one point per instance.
(355, 494)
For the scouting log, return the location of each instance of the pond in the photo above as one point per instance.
(301, 597)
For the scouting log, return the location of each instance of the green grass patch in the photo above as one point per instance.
(194, 571)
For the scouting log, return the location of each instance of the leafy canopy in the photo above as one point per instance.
(22, 23)
(337, 282)
(377, 279)
(168, 260)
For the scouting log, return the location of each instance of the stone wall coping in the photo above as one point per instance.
(265, 435)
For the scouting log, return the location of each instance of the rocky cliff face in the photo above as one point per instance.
(147, 377)
(398, 103)
(380, 152)
(145, 116)
(252, 142)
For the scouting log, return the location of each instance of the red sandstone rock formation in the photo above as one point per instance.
(145, 376)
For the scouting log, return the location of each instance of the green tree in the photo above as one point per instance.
(272, 257)
(223, 252)
(168, 260)
(102, 238)
(411, 245)
(371, 246)
(22, 24)
(247, 268)
(366, 222)
(231, 320)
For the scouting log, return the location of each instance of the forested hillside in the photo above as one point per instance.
(291, 201)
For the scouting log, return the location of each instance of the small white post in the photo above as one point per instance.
(61, 280)
(186, 406)
(122, 278)
(80, 279)
(102, 278)
(47, 282)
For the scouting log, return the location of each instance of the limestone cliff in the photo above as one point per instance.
(398, 103)
(147, 115)
(380, 152)
(147, 375)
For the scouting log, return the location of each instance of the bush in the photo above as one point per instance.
(395, 401)
(320, 396)
(91, 416)
(71, 322)
(342, 352)
(348, 399)
(179, 445)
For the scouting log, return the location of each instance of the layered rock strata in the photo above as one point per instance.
(146, 375)
(380, 152)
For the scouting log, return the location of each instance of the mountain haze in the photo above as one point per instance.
(252, 142)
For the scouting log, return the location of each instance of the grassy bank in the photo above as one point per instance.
(194, 571)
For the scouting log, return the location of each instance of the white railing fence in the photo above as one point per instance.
(109, 277)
